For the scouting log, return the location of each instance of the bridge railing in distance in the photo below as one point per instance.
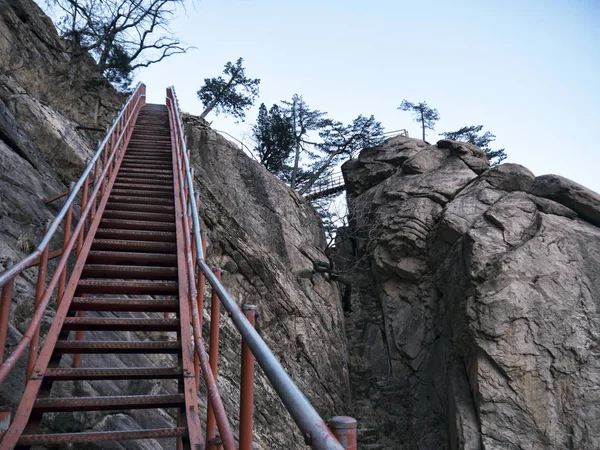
(341, 432)
(325, 187)
(93, 184)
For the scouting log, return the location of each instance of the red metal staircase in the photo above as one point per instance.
(139, 266)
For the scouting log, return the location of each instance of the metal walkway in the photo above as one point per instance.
(139, 266)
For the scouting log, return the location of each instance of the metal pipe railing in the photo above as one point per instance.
(314, 429)
(122, 127)
(54, 225)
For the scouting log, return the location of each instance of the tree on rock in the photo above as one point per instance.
(304, 121)
(421, 113)
(473, 135)
(121, 35)
(275, 140)
(344, 140)
(231, 95)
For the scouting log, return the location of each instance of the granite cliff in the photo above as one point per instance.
(475, 315)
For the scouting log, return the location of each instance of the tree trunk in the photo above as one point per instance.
(423, 124)
(297, 158)
(318, 173)
(218, 96)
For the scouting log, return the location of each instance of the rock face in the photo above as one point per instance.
(475, 315)
(262, 234)
(267, 240)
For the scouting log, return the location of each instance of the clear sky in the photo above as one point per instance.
(529, 71)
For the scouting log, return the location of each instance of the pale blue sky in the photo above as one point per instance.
(528, 71)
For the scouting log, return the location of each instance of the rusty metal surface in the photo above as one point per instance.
(124, 304)
(345, 430)
(137, 373)
(133, 272)
(127, 287)
(139, 246)
(112, 403)
(104, 324)
(138, 235)
(247, 387)
(110, 257)
(117, 347)
(99, 436)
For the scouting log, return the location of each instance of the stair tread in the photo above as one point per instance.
(166, 194)
(131, 244)
(141, 207)
(114, 257)
(136, 235)
(137, 224)
(99, 436)
(107, 373)
(110, 324)
(121, 402)
(123, 304)
(128, 287)
(138, 200)
(127, 271)
(142, 186)
(70, 346)
(149, 216)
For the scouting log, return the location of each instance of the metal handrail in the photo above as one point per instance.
(312, 426)
(43, 296)
(53, 227)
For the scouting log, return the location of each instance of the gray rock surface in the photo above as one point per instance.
(475, 317)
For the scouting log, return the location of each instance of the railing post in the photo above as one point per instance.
(344, 429)
(215, 310)
(39, 293)
(84, 196)
(67, 235)
(7, 293)
(247, 387)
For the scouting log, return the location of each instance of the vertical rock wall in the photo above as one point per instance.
(475, 319)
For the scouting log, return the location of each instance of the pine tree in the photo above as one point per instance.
(274, 136)
(231, 96)
(470, 134)
(421, 113)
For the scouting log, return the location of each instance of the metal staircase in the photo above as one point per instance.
(139, 266)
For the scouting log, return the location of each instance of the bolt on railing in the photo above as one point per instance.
(341, 436)
(94, 178)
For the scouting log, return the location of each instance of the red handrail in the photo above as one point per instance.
(108, 153)
(316, 433)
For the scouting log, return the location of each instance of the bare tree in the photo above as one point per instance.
(121, 35)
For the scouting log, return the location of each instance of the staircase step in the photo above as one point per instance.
(167, 193)
(146, 179)
(127, 287)
(104, 324)
(130, 172)
(137, 225)
(123, 304)
(134, 246)
(100, 436)
(136, 235)
(141, 200)
(117, 347)
(143, 187)
(129, 272)
(138, 158)
(137, 373)
(161, 165)
(143, 207)
(146, 259)
(135, 176)
(116, 403)
(137, 215)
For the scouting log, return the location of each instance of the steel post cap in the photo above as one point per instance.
(339, 422)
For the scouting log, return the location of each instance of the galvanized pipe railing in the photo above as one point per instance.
(314, 429)
(106, 156)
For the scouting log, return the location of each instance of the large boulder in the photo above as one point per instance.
(483, 287)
